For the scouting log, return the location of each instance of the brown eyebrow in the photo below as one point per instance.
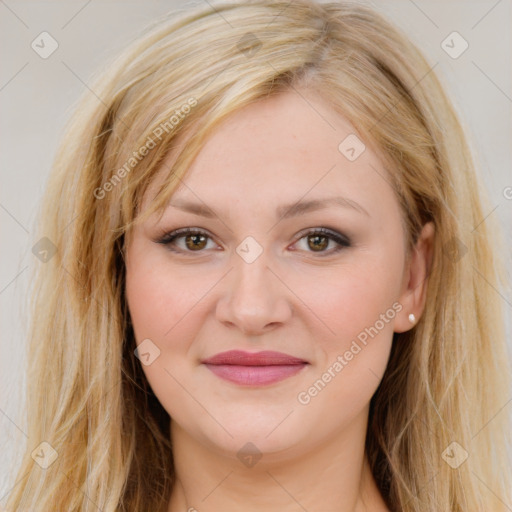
(283, 211)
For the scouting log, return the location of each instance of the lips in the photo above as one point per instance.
(265, 358)
(254, 369)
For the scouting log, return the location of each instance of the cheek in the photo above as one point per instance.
(354, 297)
(164, 308)
(160, 299)
(358, 304)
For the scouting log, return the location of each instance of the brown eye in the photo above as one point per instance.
(318, 242)
(186, 240)
(195, 241)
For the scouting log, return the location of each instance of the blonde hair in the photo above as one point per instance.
(447, 378)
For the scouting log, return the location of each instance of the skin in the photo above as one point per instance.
(292, 299)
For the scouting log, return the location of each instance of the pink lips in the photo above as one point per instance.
(256, 369)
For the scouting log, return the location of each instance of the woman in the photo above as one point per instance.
(267, 291)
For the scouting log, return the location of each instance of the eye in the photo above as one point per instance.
(196, 239)
(318, 239)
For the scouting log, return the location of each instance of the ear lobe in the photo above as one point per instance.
(414, 291)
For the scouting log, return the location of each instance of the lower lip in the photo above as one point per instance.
(255, 375)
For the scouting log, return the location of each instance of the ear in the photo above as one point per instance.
(414, 284)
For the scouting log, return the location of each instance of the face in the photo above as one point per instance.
(324, 286)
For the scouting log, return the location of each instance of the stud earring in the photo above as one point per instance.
(412, 318)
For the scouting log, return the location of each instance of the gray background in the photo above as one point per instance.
(37, 95)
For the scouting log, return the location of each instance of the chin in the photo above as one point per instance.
(249, 449)
(262, 436)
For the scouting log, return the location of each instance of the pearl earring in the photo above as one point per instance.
(412, 318)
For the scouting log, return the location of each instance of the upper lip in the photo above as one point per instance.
(241, 358)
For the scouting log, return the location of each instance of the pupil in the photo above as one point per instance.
(196, 243)
(316, 239)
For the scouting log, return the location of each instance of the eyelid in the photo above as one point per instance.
(330, 232)
(169, 236)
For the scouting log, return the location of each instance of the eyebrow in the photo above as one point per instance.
(282, 212)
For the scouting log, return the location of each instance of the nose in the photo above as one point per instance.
(253, 298)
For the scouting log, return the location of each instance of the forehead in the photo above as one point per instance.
(280, 149)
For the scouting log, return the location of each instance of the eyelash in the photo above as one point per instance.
(343, 241)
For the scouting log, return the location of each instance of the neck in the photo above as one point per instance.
(333, 475)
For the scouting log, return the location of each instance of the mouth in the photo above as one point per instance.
(254, 369)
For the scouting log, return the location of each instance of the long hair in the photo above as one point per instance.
(448, 378)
